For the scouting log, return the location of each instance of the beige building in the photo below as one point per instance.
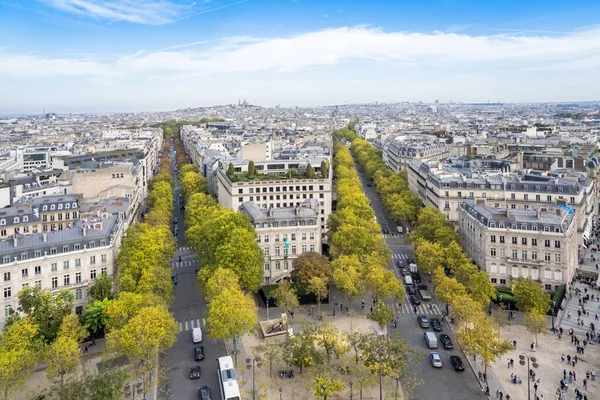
(284, 234)
(539, 242)
(275, 188)
(446, 187)
(72, 258)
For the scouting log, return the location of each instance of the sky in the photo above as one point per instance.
(73, 56)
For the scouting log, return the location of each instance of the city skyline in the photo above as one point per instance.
(123, 56)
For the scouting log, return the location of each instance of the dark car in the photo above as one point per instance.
(404, 272)
(386, 230)
(204, 393)
(175, 220)
(411, 290)
(195, 372)
(457, 363)
(199, 353)
(174, 277)
(400, 263)
(414, 299)
(368, 184)
(436, 324)
(423, 321)
(446, 341)
(416, 277)
(410, 260)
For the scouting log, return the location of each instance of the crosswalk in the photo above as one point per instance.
(400, 256)
(423, 309)
(190, 324)
(185, 248)
(177, 264)
(391, 236)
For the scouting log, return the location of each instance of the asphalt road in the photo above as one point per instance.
(435, 383)
(188, 309)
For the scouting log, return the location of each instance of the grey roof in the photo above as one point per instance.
(308, 210)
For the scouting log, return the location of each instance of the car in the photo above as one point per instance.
(400, 264)
(182, 207)
(386, 231)
(436, 360)
(174, 277)
(436, 324)
(195, 372)
(416, 277)
(457, 363)
(446, 341)
(404, 272)
(411, 290)
(175, 221)
(368, 184)
(199, 353)
(410, 260)
(423, 321)
(204, 393)
(414, 299)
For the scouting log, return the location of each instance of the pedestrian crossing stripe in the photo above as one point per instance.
(422, 309)
(188, 325)
(177, 264)
(400, 256)
(185, 248)
(390, 236)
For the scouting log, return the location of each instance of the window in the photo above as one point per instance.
(524, 241)
(557, 244)
(78, 262)
(534, 255)
(293, 236)
(38, 283)
(92, 260)
(312, 247)
(512, 196)
(77, 277)
(78, 294)
(266, 238)
(493, 252)
(277, 251)
(103, 271)
(54, 282)
(277, 265)
(277, 237)
(7, 310)
(494, 280)
(293, 249)
(7, 292)
(501, 252)
(286, 265)
(303, 248)
(312, 236)
(514, 254)
(557, 258)
(523, 254)
(38, 269)
(267, 267)
(66, 280)
(514, 239)
(65, 265)
(93, 274)
(547, 243)
(6, 276)
(503, 281)
(303, 235)
(493, 238)
(525, 197)
(547, 257)
(24, 273)
(501, 239)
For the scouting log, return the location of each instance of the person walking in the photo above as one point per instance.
(585, 384)
(535, 387)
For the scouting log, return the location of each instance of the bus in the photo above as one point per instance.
(227, 380)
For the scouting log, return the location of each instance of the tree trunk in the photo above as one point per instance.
(380, 386)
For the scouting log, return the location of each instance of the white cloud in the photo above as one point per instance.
(153, 12)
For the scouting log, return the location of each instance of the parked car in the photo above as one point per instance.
(386, 231)
(404, 272)
(410, 260)
(411, 290)
(368, 184)
(436, 324)
(416, 277)
(400, 264)
(414, 299)
(199, 353)
(195, 372)
(436, 360)
(457, 363)
(204, 393)
(423, 321)
(446, 341)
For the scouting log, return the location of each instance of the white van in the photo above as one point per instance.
(431, 340)
(196, 335)
(408, 280)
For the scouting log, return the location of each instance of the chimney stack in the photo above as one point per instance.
(83, 229)
(15, 240)
(558, 211)
(44, 236)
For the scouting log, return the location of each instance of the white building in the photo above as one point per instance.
(399, 151)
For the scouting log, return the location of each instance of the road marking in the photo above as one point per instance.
(203, 322)
(186, 325)
(180, 327)
(198, 323)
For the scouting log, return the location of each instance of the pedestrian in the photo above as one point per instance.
(501, 395)
(507, 396)
(487, 390)
(574, 376)
(341, 307)
(593, 373)
(535, 387)
(480, 375)
(93, 341)
(485, 377)
(371, 310)
(395, 324)
(585, 384)
(292, 314)
(568, 314)
(362, 305)
(570, 377)
(85, 349)
(497, 393)
(560, 330)
(562, 358)
(415, 309)
(508, 363)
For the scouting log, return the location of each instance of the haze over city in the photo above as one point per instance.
(148, 55)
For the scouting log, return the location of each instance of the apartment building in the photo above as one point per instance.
(446, 187)
(399, 151)
(283, 234)
(539, 242)
(274, 187)
(72, 258)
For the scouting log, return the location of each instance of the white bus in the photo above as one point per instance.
(227, 380)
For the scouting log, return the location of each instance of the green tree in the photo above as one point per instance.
(430, 256)
(446, 288)
(382, 314)
(230, 169)
(269, 352)
(64, 352)
(530, 295)
(95, 316)
(347, 273)
(324, 168)
(300, 350)
(285, 296)
(536, 323)
(362, 377)
(310, 264)
(332, 341)
(101, 289)
(325, 385)
(481, 289)
(251, 169)
(46, 309)
(319, 287)
(19, 353)
(310, 171)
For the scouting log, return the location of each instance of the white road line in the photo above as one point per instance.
(186, 325)
(180, 327)
(198, 323)
(203, 322)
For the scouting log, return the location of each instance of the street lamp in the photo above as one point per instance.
(534, 364)
(280, 393)
(553, 311)
(250, 363)
(351, 383)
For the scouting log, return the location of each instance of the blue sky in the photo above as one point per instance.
(137, 55)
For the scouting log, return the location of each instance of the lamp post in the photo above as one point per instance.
(351, 394)
(280, 393)
(553, 311)
(534, 364)
(250, 363)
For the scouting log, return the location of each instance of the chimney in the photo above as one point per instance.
(15, 240)
(44, 236)
(480, 202)
(558, 212)
(83, 229)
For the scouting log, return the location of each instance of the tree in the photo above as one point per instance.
(285, 296)
(101, 289)
(347, 273)
(310, 264)
(480, 288)
(230, 169)
(324, 168)
(151, 330)
(382, 314)
(95, 316)
(325, 385)
(300, 350)
(319, 287)
(430, 256)
(446, 288)
(120, 310)
(310, 171)
(251, 169)
(362, 376)
(536, 323)
(269, 352)
(19, 353)
(231, 313)
(530, 295)
(332, 341)
(46, 309)
(64, 352)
